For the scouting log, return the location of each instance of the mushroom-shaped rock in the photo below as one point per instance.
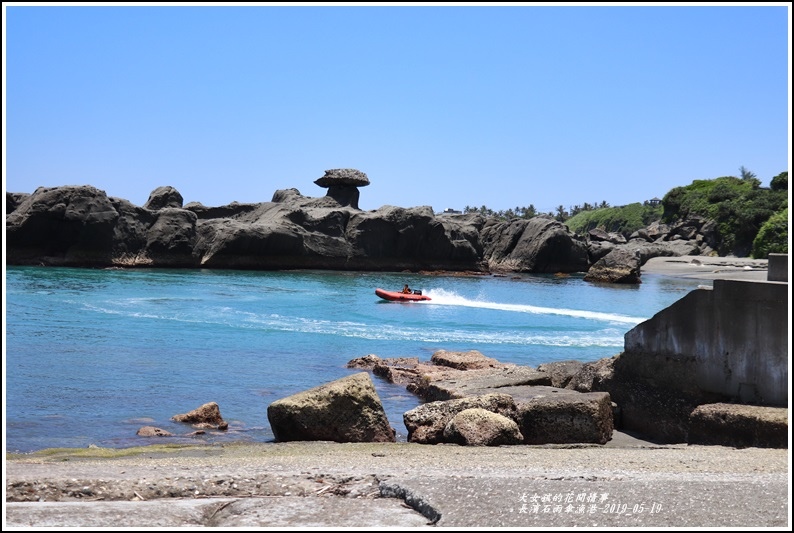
(480, 427)
(163, 197)
(206, 416)
(343, 176)
(344, 410)
(343, 184)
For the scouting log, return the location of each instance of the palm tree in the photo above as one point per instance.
(561, 213)
(745, 174)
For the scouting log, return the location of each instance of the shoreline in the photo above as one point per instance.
(326, 484)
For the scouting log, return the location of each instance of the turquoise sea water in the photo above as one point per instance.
(93, 355)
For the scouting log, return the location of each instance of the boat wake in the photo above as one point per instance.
(442, 297)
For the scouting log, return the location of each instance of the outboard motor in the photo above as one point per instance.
(418, 292)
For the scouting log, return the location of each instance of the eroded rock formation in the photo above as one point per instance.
(81, 226)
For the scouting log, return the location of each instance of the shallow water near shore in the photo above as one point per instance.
(93, 355)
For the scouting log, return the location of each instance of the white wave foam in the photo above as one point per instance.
(608, 337)
(442, 297)
(385, 332)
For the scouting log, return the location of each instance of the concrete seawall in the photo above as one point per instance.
(731, 340)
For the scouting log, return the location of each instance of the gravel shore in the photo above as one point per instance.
(628, 482)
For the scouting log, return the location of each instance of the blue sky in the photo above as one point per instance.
(447, 106)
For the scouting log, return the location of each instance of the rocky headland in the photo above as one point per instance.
(82, 226)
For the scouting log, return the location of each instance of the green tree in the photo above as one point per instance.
(779, 182)
(749, 177)
(745, 174)
(772, 238)
(624, 220)
(561, 214)
(738, 207)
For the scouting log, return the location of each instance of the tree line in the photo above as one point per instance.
(561, 214)
(750, 219)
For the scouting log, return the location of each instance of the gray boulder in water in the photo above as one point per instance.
(344, 410)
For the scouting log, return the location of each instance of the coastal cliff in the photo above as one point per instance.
(81, 226)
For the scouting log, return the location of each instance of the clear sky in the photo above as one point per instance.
(502, 105)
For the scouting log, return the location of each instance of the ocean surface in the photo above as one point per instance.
(93, 355)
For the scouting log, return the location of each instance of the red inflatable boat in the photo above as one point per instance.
(399, 296)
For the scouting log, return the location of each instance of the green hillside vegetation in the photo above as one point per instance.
(625, 220)
(738, 206)
(772, 238)
(750, 219)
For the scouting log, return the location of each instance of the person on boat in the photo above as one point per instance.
(406, 289)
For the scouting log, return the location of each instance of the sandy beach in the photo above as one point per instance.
(628, 482)
(708, 268)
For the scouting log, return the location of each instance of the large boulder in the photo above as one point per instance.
(344, 410)
(728, 424)
(413, 239)
(171, 238)
(696, 229)
(399, 370)
(367, 362)
(654, 231)
(598, 249)
(163, 197)
(72, 225)
(82, 226)
(450, 384)
(470, 360)
(13, 199)
(457, 381)
(547, 415)
(561, 372)
(152, 431)
(232, 243)
(427, 422)
(480, 427)
(207, 415)
(539, 245)
(618, 266)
